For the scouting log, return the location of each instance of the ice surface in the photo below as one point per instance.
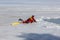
(12, 14)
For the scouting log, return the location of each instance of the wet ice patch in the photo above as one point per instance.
(54, 20)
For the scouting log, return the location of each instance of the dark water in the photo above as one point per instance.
(56, 21)
(34, 36)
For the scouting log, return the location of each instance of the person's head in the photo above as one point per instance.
(20, 19)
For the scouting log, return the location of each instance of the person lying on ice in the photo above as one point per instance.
(29, 20)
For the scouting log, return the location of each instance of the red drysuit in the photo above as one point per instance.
(29, 20)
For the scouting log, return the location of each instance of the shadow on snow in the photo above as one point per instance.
(34, 36)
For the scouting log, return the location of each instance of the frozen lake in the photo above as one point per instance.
(46, 27)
